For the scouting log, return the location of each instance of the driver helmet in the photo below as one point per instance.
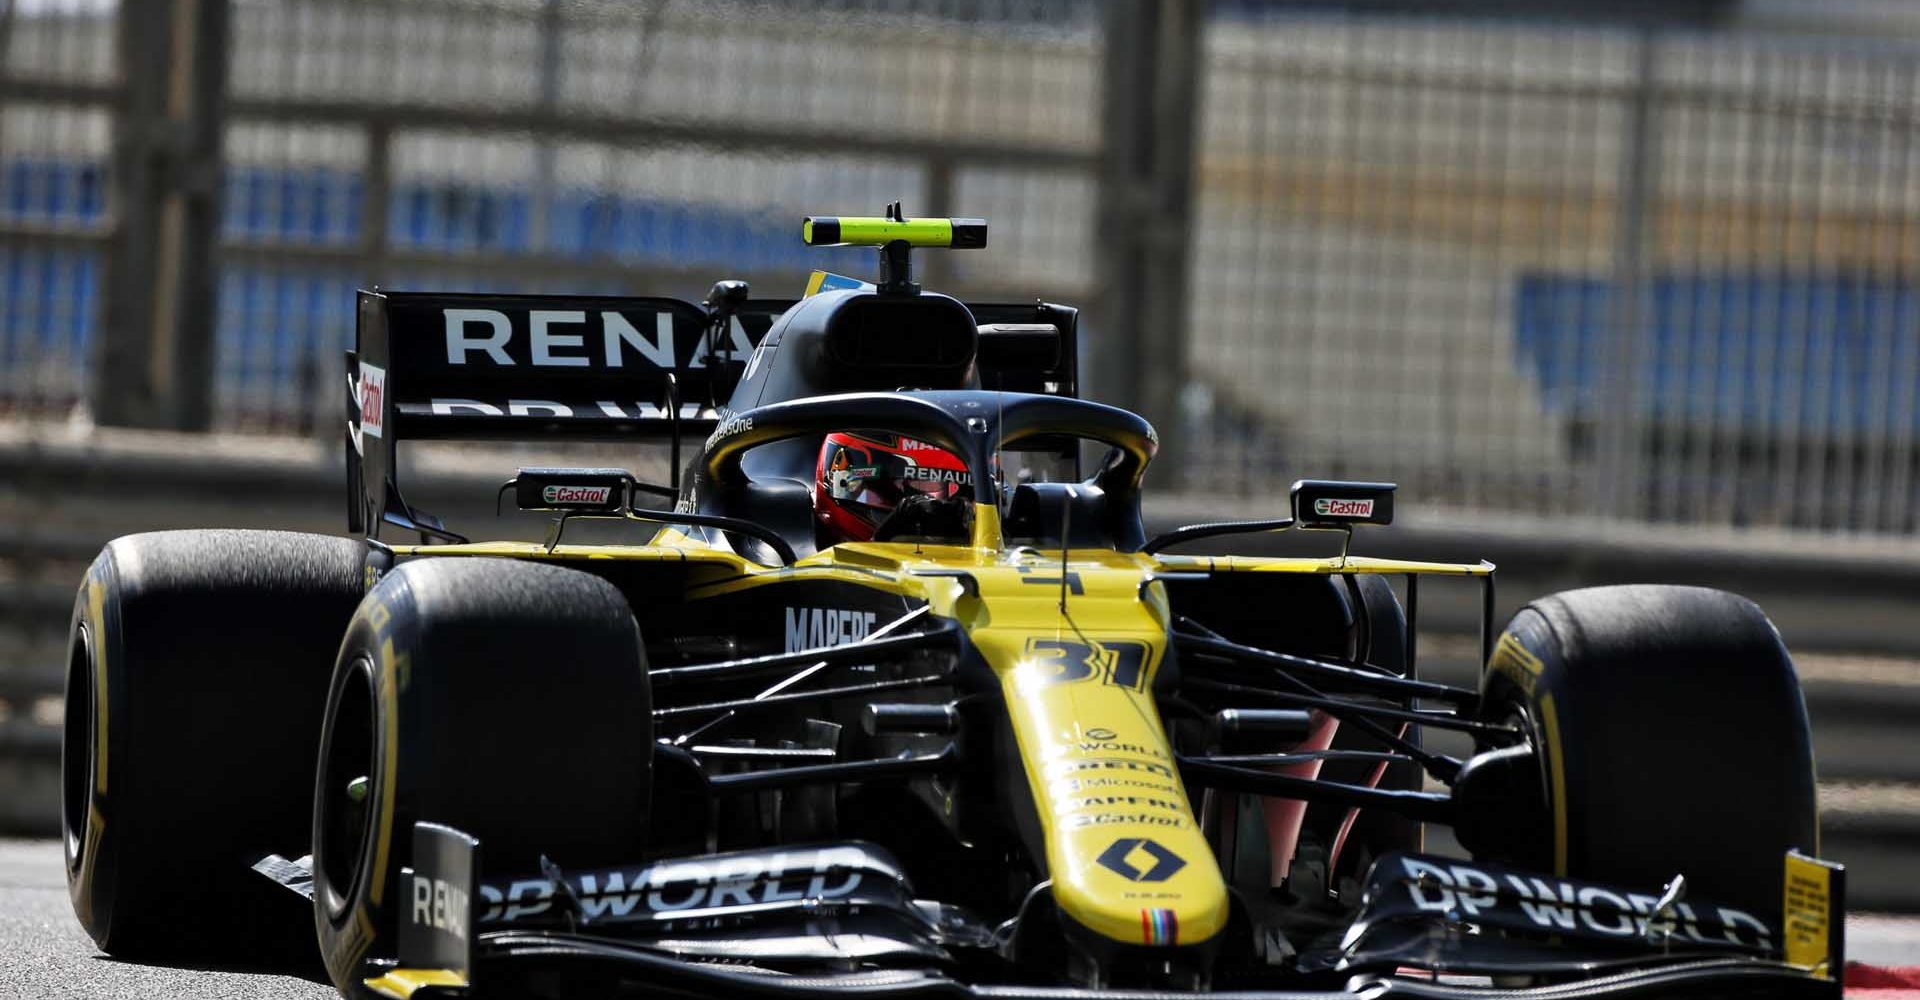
(864, 475)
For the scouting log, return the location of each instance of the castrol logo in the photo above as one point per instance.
(1335, 507)
(575, 494)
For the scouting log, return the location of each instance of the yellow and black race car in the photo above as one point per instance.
(888, 694)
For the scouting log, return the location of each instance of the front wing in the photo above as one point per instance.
(815, 921)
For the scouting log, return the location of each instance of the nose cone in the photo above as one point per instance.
(1127, 858)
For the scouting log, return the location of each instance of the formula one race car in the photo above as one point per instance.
(892, 696)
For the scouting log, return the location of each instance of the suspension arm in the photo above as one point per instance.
(884, 768)
(1346, 678)
(1430, 807)
(745, 705)
(944, 632)
(1350, 710)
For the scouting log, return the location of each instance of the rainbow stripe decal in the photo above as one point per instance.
(1158, 926)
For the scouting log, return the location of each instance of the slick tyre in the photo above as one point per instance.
(1670, 735)
(506, 699)
(197, 668)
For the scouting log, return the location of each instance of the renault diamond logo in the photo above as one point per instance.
(1138, 859)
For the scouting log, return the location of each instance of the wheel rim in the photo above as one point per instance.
(343, 830)
(77, 748)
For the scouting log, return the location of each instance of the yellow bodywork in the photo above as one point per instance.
(1123, 850)
(1808, 907)
(403, 983)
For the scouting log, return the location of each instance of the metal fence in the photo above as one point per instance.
(58, 68)
(1649, 274)
(1647, 271)
(538, 145)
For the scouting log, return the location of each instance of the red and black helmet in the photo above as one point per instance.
(864, 475)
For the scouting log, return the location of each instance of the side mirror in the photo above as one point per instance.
(1330, 503)
(727, 296)
(573, 491)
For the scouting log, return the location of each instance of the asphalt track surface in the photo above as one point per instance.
(43, 952)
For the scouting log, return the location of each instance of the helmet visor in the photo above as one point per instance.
(850, 471)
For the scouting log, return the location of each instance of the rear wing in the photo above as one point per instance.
(457, 366)
(431, 365)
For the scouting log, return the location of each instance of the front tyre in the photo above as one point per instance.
(506, 699)
(1671, 738)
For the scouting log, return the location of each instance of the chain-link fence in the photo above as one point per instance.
(58, 67)
(541, 145)
(656, 148)
(1645, 271)
(1649, 274)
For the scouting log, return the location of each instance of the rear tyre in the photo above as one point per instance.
(1671, 737)
(197, 668)
(506, 699)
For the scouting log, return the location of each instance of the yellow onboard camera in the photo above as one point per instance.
(895, 235)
